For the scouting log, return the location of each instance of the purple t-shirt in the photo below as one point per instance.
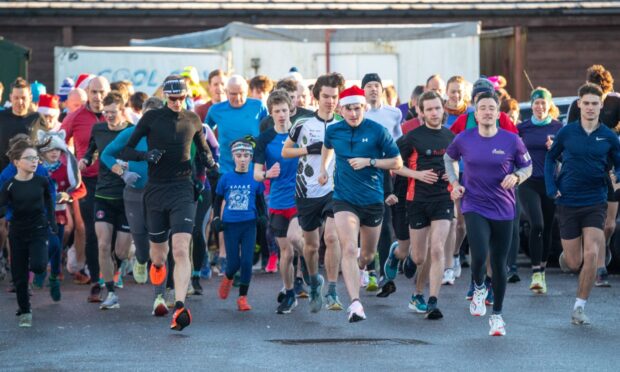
(535, 138)
(487, 161)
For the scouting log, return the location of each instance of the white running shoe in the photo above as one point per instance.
(497, 324)
(457, 267)
(448, 277)
(477, 306)
(579, 317)
(356, 312)
(364, 278)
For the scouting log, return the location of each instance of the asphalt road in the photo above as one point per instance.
(75, 335)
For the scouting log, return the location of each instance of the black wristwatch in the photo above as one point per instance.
(373, 162)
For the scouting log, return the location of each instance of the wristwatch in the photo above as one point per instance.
(373, 162)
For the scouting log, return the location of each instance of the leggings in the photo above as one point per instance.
(28, 253)
(540, 211)
(134, 209)
(489, 237)
(87, 209)
(54, 250)
(515, 242)
(240, 239)
(199, 240)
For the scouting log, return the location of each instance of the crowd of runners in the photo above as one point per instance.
(314, 182)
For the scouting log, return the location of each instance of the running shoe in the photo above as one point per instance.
(272, 264)
(477, 306)
(287, 305)
(190, 288)
(95, 293)
(432, 311)
(205, 271)
(39, 280)
(55, 289)
(180, 319)
(418, 304)
(457, 267)
(490, 296)
(464, 261)
(409, 268)
(544, 284)
(281, 295)
(111, 302)
(81, 278)
(225, 286)
(579, 317)
(25, 320)
(563, 265)
(602, 278)
(170, 298)
(498, 327)
(390, 267)
(513, 277)
(536, 285)
(470, 291)
(300, 288)
(356, 312)
(332, 302)
(387, 289)
(139, 273)
(364, 278)
(448, 277)
(316, 296)
(242, 304)
(118, 279)
(196, 285)
(159, 306)
(372, 286)
(158, 274)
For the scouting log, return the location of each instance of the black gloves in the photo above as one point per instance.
(217, 225)
(315, 148)
(153, 156)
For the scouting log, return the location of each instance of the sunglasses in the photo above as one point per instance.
(176, 98)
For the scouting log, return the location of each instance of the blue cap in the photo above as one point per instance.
(37, 89)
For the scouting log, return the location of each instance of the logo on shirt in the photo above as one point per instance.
(239, 199)
(600, 138)
(498, 152)
(364, 139)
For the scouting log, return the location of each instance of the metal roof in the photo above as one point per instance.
(271, 6)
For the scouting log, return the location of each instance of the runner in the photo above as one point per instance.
(29, 197)
(313, 198)
(538, 134)
(78, 126)
(260, 86)
(110, 218)
(270, 165)
(244, 209)
(290, 86)
(169, 195)
(363, 150)
(588, 148)
(217, 84)
(495, 162)
(456, 104)
(429, 207)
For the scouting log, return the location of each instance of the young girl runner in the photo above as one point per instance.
(32, 206)
(245, 206)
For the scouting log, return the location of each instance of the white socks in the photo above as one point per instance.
(579, 303)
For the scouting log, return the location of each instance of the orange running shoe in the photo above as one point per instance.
(242, 304)
(157, 274)
(181, 319)
(81, 278)
(225, 286)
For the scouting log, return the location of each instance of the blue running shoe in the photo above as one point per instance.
(390, 267)
(490, 298)
(409, 268)
(470, 291)
(418, 304)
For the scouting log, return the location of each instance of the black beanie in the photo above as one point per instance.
(371, 77)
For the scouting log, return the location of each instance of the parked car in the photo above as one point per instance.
(563, 103)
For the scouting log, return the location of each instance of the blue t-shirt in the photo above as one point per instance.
(268, 152)
(233, 124)
(586, 160)
(368, 140)
(110, 153)
(239, 191)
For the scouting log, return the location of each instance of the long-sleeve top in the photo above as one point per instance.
(32, 205)
(10, 171)
(583, 176)
(112, 151)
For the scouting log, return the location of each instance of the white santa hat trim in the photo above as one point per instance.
(48, 111)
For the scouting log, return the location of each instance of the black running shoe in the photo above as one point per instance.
(287, 305)
(409, 268)
(432, 311)
(196, 285)
(387, 289)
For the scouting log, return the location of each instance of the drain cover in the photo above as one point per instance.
(350, 341)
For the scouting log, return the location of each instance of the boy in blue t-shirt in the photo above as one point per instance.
(244, 207)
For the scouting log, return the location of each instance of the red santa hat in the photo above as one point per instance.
(83, 80)
(48, 104)
(352, 95)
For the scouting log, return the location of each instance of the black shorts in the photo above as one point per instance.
(573, 219)
(399, 219)
(112, 211)
(421, 214)
(170, 209)
(369, 215)
(312, 212)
